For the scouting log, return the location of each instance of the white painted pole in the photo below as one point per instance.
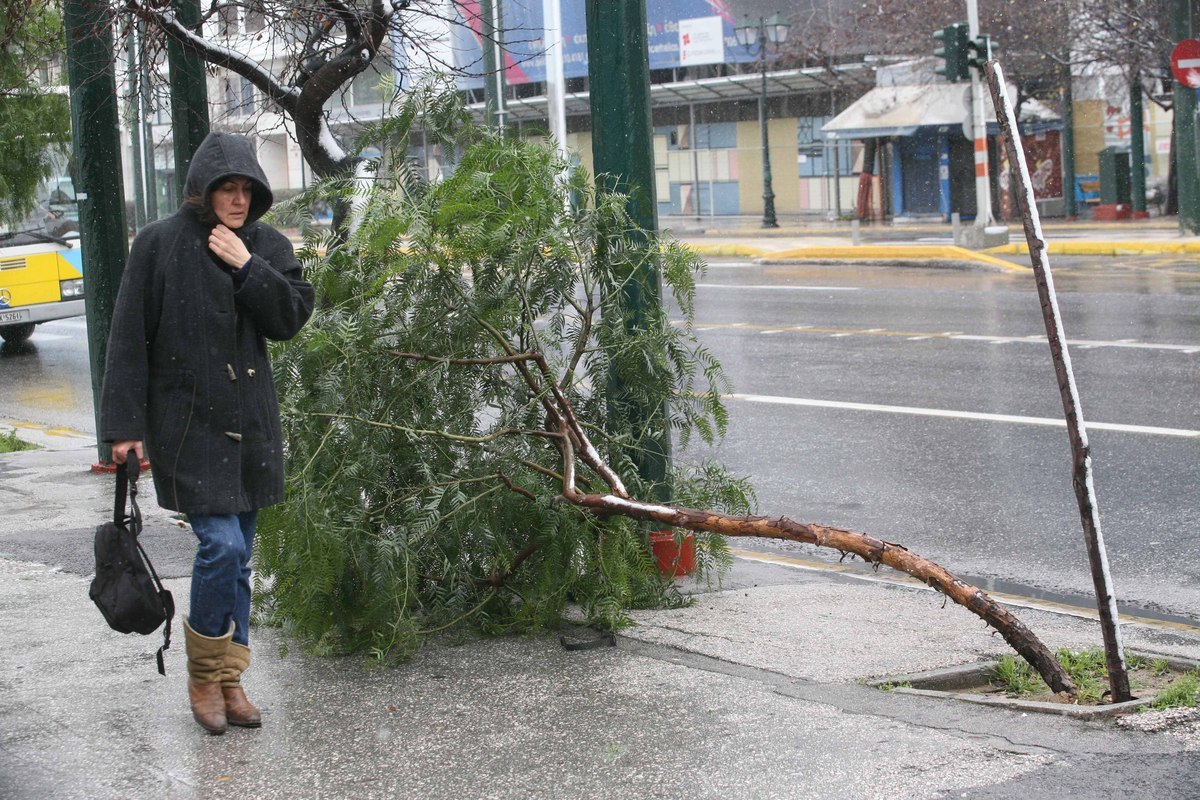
(556, 90)
(983, 192)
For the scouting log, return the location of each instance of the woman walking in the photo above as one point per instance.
(187, 374)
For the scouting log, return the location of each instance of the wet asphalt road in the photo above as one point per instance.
(834, 421)
(844, 376)
(47, 379)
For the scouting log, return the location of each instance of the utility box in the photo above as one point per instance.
(1114, 177)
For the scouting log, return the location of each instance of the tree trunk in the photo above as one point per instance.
(1089, 512)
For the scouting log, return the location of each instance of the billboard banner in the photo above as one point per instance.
(701, 41)
(668, 22)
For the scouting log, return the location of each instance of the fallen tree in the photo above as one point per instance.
(455, 449)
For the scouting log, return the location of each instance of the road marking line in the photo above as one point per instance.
(1080, 343)
(972, 415)
(1084, 344)
(776, 286)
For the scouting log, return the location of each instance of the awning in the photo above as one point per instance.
(901, 110)
(746, 86)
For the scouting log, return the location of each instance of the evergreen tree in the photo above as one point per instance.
(425, 467)
(35, 120)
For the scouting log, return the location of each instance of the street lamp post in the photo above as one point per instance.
(775, 31)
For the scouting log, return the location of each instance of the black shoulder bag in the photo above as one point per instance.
(126, 588)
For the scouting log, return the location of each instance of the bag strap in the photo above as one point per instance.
(127, 476)
(164, 596)
(127, 487)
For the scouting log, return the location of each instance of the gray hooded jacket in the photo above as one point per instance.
(187, 369)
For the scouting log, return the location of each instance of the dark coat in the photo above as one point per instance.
(187, 369)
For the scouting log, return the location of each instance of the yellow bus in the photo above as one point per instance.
(41, 266)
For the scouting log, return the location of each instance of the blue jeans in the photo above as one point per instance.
(221, 574)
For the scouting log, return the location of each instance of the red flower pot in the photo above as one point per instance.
(674, 558)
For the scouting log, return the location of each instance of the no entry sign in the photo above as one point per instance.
(1185, 63)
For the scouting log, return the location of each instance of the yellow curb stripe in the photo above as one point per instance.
(62, 431)
(902, 579)
(1101, 248)
(744, 250)
(895, 253)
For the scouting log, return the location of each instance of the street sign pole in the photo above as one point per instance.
(1187, 176)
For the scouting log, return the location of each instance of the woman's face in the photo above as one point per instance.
(231, 201)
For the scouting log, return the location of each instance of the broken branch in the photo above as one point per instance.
(876, 551)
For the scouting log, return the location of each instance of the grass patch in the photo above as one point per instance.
(1184, 692)
(10, 443)
(1089, 670)
(893, 685)
(1015, 677)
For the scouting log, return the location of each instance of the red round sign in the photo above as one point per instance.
(1185, 63)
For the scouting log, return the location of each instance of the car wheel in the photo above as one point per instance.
(17, 333)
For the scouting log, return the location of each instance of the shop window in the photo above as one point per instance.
(815, 151)
(703, 136)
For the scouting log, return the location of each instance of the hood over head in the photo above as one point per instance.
(221, 156)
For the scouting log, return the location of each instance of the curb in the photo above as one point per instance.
(946, 684)
(48, 437)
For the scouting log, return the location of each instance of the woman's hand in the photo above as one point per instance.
(228, 247)
(120, 451)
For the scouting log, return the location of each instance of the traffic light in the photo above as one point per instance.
(981, 49)
(955, 39)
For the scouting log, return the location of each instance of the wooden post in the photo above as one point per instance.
(1085, 491)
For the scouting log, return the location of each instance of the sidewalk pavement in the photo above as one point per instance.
(800, 239)
(754, 691)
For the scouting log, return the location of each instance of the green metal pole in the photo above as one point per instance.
(1137, 148)
(95, 127)
(1184, 115)
(768, 220)
(623, 154)
(1068, 148)
(189, 94)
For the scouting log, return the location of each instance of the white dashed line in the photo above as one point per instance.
(777, 287)
(972, 415)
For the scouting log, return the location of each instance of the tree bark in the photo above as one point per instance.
(870, 549)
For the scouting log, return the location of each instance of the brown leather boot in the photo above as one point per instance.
(238, 708)
(205, 657)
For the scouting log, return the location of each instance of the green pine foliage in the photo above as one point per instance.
(422, 494)
(35, 122)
